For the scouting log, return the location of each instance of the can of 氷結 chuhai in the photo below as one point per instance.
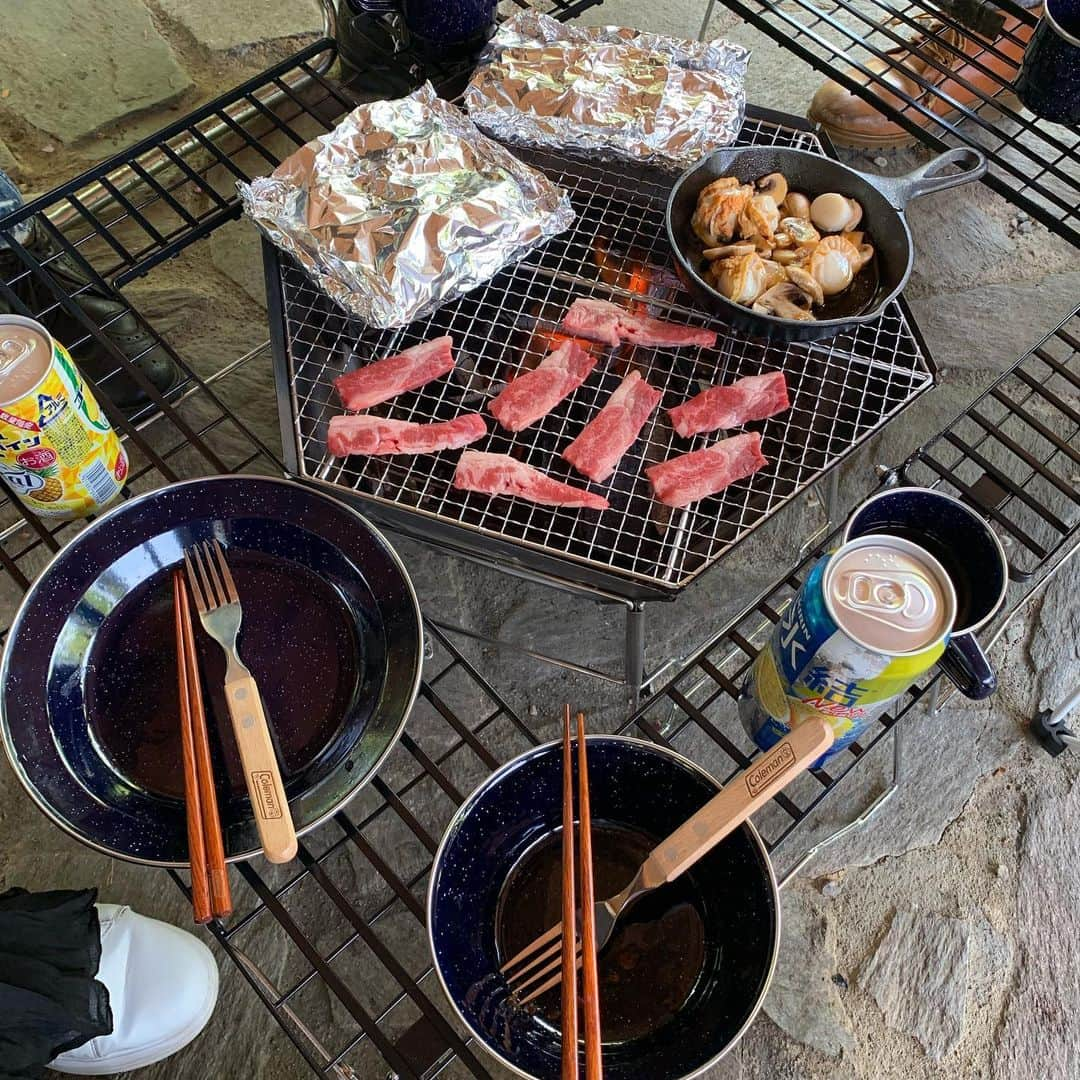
(58, 452)
(869, 620)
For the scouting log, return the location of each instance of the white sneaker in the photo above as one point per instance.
(163, 985)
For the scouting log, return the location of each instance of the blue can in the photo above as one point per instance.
(868, 621)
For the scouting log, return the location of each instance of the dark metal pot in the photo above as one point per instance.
(634, 785)
(1049, 81)
(883, 199)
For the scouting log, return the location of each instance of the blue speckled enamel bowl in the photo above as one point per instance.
(331, 630)
(731, 894)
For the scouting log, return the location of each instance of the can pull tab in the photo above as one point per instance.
(902, 600)
(13, 351)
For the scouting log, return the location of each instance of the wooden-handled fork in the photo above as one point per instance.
(534, 970)
(218, 605)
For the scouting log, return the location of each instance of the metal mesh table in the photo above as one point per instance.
(350, 1000)
(129, 215)
(1013, 455)
(1033, 163)
(356, 990)
(121, 220)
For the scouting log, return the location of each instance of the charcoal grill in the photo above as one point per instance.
(842, 391)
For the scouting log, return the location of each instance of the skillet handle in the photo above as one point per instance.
(900, 190)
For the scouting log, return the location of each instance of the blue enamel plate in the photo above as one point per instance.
(331, 631)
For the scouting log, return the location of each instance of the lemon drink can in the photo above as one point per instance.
(58, 452)
(869, 620)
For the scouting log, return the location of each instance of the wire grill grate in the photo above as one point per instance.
(1033, 163)
(841, 390)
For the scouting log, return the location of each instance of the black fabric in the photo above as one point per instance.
(50, 947)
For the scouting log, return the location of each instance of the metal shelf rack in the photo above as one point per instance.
(353, 984)
(117, 222)
(1033, 163)
(129, 215)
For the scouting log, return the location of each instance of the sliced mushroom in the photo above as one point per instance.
(800, 230)
(726, 250)
(806, 281)
(787, 301)
(774, 185)
(774, 273)
(866, 253)
(796, 205)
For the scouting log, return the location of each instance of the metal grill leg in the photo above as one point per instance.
(635, 653)
(934, 704)
(869, 813)
(1049, 726)
(705, 22)
(828, 490)
(833, 509)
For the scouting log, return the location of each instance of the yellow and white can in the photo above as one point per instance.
(58, 452)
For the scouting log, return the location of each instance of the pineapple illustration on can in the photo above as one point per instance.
(58, 452)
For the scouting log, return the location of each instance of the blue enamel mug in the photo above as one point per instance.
(439, 24)
(1049, 81)
(972, 555)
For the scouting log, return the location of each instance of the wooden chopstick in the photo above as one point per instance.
(594, 1069)
(200, 885)
(220, 893)
(569, 914)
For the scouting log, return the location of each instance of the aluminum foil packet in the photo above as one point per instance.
(404, 206)
(608, 90)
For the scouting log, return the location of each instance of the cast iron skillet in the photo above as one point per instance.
(882, 198)
(331, 631)
(698, 1016)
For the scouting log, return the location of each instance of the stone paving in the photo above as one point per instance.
(935, 942)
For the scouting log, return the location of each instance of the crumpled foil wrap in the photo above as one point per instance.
(609, 90)
(404, 206)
